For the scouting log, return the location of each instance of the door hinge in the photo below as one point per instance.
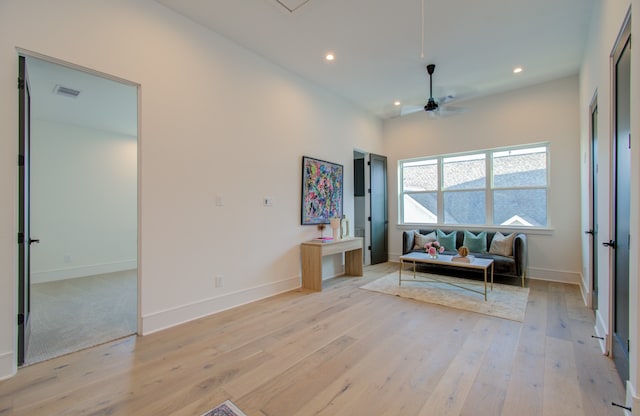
(369, 190)
(20, 319)
(368, 218)
(20, 83)
(20, 160)
(20, 238)
(369, 248)
(369, 163)
(629, 140)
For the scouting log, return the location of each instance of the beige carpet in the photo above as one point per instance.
(70, 315)
(505, 301)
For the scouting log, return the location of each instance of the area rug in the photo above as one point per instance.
(508, 302)
(225, 409)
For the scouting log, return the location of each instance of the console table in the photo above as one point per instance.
(313, 251)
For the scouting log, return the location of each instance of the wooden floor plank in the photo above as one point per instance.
(525, 390)
(342, 351)
(562, 391)
(489, 389)
(450, 394)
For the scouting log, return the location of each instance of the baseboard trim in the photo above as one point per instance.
(632, 399)
(553, 275)
(8, 365)
(82, 271)
(585, 292)
(601, 332)
(158, 321)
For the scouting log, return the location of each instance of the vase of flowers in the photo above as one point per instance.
(433, 248)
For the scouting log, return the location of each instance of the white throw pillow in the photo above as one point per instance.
(419, 240)
(502, 245)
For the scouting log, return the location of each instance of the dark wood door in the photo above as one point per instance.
(379, 212)
(593, 221)
(622, 166)
(24, 236)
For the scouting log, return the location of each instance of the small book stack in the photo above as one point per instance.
(460, 259)
(323, 239)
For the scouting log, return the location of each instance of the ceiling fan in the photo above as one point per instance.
(434, 107)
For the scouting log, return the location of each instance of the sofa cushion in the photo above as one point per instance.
(448, 241)
(502, 245)
(419, 240)
(502, 264)
(475, 243)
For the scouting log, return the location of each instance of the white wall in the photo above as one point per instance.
(83, 201)
(595, 76)
(215, 120)
(542, 113)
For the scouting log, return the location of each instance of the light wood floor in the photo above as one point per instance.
(343, 351)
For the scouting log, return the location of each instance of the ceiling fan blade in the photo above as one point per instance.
(451, 111)
(410, 109)
(446, 99)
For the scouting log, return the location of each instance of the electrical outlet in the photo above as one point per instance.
(267, 201)
(218, 281)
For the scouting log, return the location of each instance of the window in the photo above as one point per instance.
(493, 187)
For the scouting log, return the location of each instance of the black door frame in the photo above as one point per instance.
(379, 219)
(24, 211)
(618, 349)
(593, 202)
(24, 293)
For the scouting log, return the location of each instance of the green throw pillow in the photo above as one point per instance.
(475, 243)
(448, 241)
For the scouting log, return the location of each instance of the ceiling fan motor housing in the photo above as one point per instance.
(431, 105)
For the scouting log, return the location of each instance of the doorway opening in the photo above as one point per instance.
(81, 205)
(361, 201)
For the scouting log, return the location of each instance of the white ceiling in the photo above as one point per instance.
(378, 43)
(102, 104)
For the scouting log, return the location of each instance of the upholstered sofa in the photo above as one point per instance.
(509, 252)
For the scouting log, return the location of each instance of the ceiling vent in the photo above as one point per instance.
(66, 91)
(292, 5)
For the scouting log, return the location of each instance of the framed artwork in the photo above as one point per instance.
(322, 191)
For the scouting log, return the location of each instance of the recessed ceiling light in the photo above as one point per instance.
(517, 70)
(397, 103)
(330, 56)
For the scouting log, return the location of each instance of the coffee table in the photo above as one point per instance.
(445, 260)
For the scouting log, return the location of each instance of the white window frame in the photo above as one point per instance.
(488, 189)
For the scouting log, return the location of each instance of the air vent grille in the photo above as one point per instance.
(291, 5)
(66, 91)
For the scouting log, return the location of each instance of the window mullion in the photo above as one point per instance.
(440, 191)
(489, 189)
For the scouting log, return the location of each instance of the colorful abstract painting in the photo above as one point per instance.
(322, 186)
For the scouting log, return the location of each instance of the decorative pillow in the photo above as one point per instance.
(448, 241)
(419, 240)
(502, 245)
(475, 243)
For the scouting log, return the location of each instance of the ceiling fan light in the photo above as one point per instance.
(517, 70)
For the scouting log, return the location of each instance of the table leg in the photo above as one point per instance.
(491, 276)
(400, 274)
(485, 285)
